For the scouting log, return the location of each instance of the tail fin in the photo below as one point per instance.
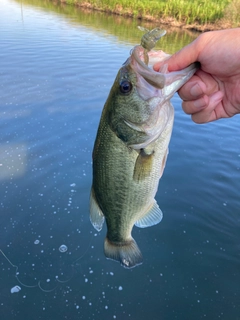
(127, 253)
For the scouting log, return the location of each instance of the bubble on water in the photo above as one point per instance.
(15, 289)
(120, 288)
(73, 185)
(36, 242)
(63, 248)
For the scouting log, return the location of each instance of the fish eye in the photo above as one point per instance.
(125, 87)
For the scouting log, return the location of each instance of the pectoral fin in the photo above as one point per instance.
(96, 215)
(152, 217)
(143, 165)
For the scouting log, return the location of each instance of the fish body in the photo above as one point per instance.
(130, 152)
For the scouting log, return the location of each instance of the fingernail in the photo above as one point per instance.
(196, 90)
(199, 103)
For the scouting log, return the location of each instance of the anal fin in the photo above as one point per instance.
(96, 215)
(152, 217)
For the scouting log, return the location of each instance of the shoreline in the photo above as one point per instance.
(218, 25)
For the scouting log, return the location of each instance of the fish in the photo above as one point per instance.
(131, 148)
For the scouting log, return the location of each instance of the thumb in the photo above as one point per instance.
(180, 59)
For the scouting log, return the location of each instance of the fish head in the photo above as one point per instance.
(139, 101)
(125, 105)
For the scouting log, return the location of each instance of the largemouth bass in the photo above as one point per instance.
(131, 148)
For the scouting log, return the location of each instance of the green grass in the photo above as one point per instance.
(185, 11)
(232, 13)
(125, 30)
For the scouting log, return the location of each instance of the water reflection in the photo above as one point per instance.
(13, 161)
(114, 27)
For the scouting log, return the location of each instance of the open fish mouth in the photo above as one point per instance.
(169, 81)
(143, 58)
(154, 87)
(156, 79)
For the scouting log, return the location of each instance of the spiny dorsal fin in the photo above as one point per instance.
(96, 215)
(152, 217)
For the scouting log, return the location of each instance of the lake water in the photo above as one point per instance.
(57, 65)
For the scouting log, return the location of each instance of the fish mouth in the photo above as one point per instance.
(162, 83)
(157, 88)
(156, 79)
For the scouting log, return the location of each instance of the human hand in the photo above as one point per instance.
(214, 91)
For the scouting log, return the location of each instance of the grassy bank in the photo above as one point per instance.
(198, 14)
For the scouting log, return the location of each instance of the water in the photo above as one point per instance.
(57, 65)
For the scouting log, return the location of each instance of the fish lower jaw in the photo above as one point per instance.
(125, 252)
